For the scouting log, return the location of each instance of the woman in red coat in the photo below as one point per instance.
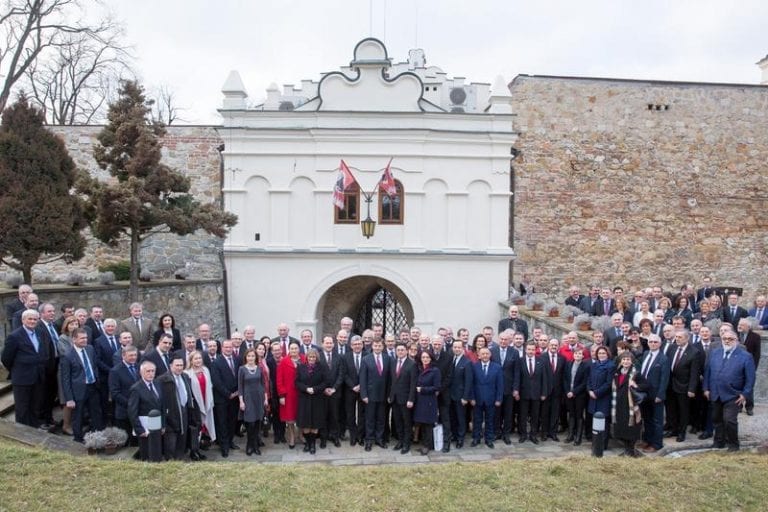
(286, 390)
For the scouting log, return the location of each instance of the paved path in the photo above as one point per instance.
(753, 431)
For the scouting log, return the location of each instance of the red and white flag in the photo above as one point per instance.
(344, 181)
(387, 182)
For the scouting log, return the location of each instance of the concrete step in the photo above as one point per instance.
(6, 404)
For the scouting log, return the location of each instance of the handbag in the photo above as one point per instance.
(437, 436)
(638, 396)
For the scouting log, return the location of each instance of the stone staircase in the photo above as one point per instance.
(6, 396)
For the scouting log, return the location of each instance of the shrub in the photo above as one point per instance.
(75, 279)
(107, 278)
(121, 270)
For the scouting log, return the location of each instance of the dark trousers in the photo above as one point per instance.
(28, 403)
(124, 424)
(529, 412)
(374, 422)
(444, 412)
(458, 420)
(354, 408)
(679, 412)
(174, 444)
(225, 417)
(278, 427)
(331, 429)
(653, 418)
(725, 416)
(91, 402)
(107, 407)
(403, 423)
(503, 416)
(483, 422)
(50, 394)
(575, 407)
(550, 415)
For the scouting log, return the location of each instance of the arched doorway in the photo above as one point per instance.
(367, 300)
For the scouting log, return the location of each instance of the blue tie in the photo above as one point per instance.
(55, 339)
(132, 369)
(89, 378)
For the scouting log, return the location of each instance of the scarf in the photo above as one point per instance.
(634, 418)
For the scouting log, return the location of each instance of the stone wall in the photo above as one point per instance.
(190, 302)
(188, 149)
(636, 183)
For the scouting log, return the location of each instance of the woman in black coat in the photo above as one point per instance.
(167, 324)
(311, 381)
(625, 409)
(425, 409)
(575, 379)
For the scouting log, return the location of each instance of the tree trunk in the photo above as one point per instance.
(26, 272)
(133, 290)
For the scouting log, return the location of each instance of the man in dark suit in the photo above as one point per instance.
(374, 384)
(211, 354)
(226, 403)
(307, 343)
(178, 409)
(655, 368)
(284, 337)
(161, 356)
(143, 398)
(47, 334)
(17, 304)
(82, 315)
(25, 356)
(78, 384)
(204, 338)
(507, 358)
(402, 396)
(686, 369)
(614, 334)
(188, 348)
(706, 290)
(732, 312)
(575, 298)
(444, 362)
(704, 406)
(461, 391)
(729, 380)
(605, 305)
(514, 322)
(334, 367)
(106, 346)
(95, 321)
(751, 342)
(760, 312)
(32, 302)
(554, 365)
(532, 392)
(122, 377)
(354, 407)
(487, 395)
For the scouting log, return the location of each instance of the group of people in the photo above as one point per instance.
(651, 379)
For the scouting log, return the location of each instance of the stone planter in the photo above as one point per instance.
(110, 450)
(537, 307)
(585, 326)
(553, 314)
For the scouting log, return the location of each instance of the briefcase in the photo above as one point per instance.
(437, 436)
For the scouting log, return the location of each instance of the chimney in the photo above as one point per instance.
(763, 64)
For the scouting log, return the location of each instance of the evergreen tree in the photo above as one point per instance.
(146, 196)
(40, 216)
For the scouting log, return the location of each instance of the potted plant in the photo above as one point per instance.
(107, 278)
(582, 322)
(601, 323)
(568, 313)
(516, 298)
(95, 441)
(115, 438)
(552, 309)
(535, 301)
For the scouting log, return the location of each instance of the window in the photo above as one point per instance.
(391, 208)
(350, 214)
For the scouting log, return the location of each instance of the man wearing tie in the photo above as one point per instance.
(507, 358)
(686, 368)
(106, 346)
(354, 407)
(402, 396)
(138, 325)
(143, 398)
(122, 377)
(461, 391)
(78, 384)
(703, 420)
(95, 321)
(444, 362)
(488, 393)
(532, 392)
(161, 356)
(48, 335)
(283, 336)
(226, 402)
(334, 369)
(760, 312)
(729, 379)
(374, 384)
(732, 313)
(751, 342)
(177, 409)
(25, 357)
(655, 369)
(550, 411)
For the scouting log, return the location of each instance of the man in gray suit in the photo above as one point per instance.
(78, 383)
(138, 325)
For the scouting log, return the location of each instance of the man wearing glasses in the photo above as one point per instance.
(729, 379)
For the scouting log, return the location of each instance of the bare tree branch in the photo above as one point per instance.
(165, 108)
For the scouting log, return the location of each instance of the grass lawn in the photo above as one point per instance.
(35, 479)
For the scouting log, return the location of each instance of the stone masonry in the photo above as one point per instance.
(634, 183)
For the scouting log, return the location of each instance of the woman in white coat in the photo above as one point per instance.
(202, 390)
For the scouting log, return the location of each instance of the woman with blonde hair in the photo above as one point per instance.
(202, 390)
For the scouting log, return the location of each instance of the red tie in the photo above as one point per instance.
(378, 364)
(399, 366)
(530, 367)
(677, 357)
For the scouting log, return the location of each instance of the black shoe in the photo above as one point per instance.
(446, 448)
(424, 451)
(489, 444)
(137, 455)
(368, 446)
(680, 438)
(534, 439)
(717, 446)
(233, 446)
(322, 443)
(705, 435)
(291, 446)
(459, 444)
(352, 442)
(406, 449)
(249, 451)
(336, 442)
(733, 447)
(306, 447)
(193, 456)
(381, 444)
(750, 412)
(475, 442)
(398, 446)
(507, 440)
(225, 453)
(201, 456)
(569, 439)
(256, 451)
(522, 439)
(669, 433)
(554, 438)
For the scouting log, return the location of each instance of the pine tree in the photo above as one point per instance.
(41, 218)
(146, 197)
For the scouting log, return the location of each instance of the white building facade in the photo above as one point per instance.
(440, 253)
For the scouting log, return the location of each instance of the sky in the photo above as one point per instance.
(190, 46)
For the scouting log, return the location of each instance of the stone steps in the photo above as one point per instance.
(6, 399)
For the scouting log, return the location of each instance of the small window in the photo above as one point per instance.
(350, 214)
(391, 208)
